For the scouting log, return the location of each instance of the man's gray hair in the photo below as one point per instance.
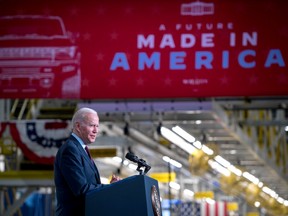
(80, 115)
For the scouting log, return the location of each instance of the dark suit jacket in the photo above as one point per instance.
(74, 176)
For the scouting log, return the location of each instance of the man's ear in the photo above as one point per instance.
(77, 126)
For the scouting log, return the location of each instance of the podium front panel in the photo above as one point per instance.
(133, 196)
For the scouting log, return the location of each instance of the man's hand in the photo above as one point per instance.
(115, 178)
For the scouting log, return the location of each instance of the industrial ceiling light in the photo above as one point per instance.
(188, 192)
(235, 170)
(188, 137)
(171, 161)
(177, 140)
(260, 184)
(174, 185)
(198, 144)
(251, 178)
(207, 150)
(219, 168)
(184, 134)
(222, 161)
(257, 204)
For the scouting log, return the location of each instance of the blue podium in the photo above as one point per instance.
(133, 196)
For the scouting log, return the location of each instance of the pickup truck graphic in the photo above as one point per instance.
(38, 58)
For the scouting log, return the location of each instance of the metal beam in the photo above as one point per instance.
(18, 203)
(251, 146)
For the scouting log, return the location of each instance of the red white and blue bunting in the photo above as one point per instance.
(38, 140)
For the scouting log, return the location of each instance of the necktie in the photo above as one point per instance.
(97, 175)
(88, 152)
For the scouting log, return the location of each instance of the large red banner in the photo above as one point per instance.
(136, 49)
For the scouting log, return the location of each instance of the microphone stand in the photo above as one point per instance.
(142, 163)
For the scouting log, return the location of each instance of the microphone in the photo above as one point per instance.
(130, 156)
(141, 163)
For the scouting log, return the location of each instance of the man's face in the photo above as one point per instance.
(89, 128)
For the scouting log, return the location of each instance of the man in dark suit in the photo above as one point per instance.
(75, 173)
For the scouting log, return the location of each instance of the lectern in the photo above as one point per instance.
(134, 196)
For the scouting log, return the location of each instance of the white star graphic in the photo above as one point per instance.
(100, 11)
(112, 82)
(114, 36)
(74, 11)
(44, 141)
(128, 10)
(30, 127)
(85, 82)
(224, 80)
(168, 81)
(100, 56)
(155, 9)
(253, 79)
(140, 82)
(87, 36)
